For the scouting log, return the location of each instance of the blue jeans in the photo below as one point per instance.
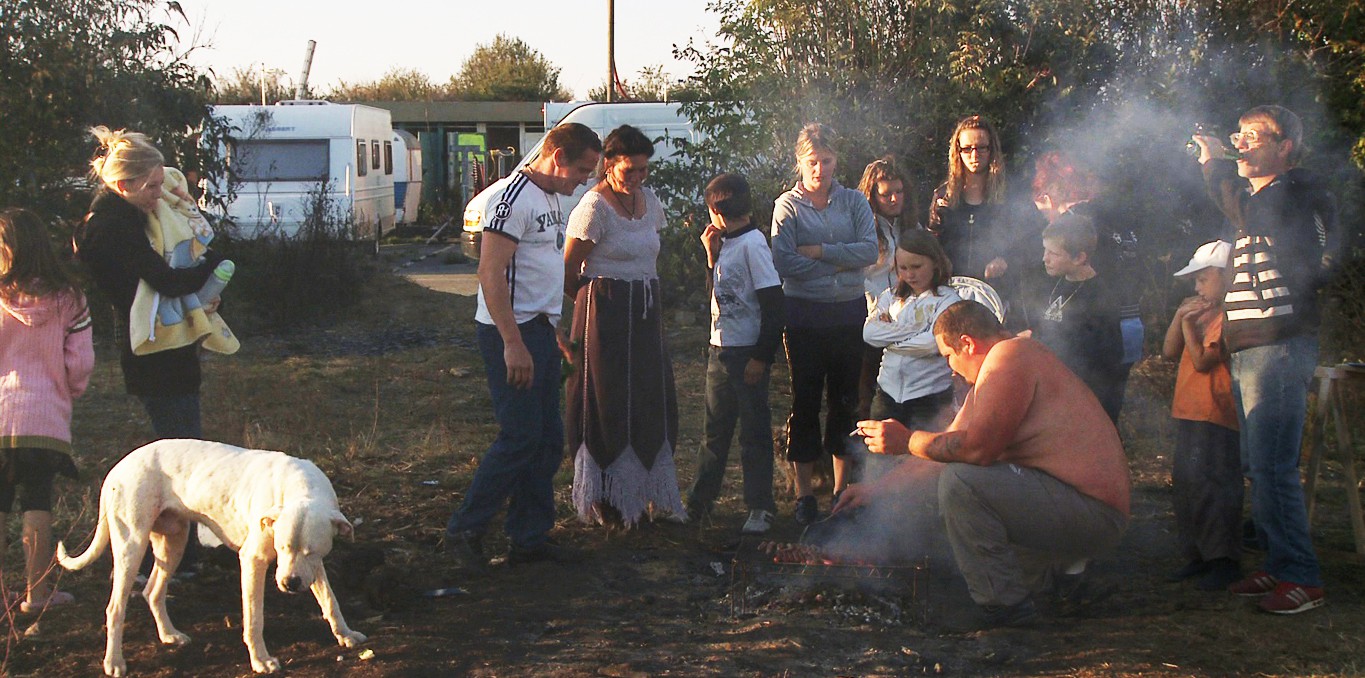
(174, 416)
(519, 468)
(1270, 387)
(729, 399)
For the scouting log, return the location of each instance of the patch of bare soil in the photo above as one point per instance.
(390, 401)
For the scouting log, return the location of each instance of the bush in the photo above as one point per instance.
(284, 279)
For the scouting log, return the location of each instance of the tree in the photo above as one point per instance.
(507, 70)
(244, 87)
(893, 76)
(398, 84)
(1119, 83)
(69, 65)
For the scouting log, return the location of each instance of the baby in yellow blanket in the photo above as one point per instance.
(179, 233)
(178, 214)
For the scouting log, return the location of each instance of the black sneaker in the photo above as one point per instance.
(1194, 568)
(1223, 572)
(807, 510)
(1019, 614)
(546, 552)
(466, 551)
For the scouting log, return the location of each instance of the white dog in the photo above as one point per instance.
(264, 505)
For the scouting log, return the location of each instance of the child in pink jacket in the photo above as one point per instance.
(45, 362)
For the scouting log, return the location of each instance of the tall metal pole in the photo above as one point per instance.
(301, 88)
(611, 50)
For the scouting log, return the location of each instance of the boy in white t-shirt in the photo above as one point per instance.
(746, 329)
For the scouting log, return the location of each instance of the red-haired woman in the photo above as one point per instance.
(1060, 186)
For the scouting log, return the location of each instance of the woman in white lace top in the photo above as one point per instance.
(621, 408)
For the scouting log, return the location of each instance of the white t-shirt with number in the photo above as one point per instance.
(534, 220)
(745, 265)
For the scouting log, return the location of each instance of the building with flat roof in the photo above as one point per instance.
(465, 144)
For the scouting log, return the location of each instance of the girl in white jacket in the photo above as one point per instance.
(914, 385)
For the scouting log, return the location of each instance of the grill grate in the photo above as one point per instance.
(751, 565)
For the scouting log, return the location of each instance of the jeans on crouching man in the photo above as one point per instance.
(729, 401)
(1010, 525)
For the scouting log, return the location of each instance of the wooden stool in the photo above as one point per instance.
(1330, 382)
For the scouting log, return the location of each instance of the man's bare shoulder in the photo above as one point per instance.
(1009, 368)
(1019, 354)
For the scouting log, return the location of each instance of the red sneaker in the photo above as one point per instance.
(1291, 598)
(1257, 585)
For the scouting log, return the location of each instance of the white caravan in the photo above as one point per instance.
(287, 157)
(656, 120)
(407, 177)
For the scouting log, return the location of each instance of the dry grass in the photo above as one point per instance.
(399, 432)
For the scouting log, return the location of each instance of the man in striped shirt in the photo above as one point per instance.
(1285, 242)
(521, 287)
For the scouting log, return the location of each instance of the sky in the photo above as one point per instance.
(436, 36)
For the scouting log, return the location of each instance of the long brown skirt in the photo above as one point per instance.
(621, 410)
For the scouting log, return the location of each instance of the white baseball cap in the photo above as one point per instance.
(1209, 255)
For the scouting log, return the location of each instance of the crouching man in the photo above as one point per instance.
(1034, 475)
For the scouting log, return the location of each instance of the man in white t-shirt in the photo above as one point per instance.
(746, 329)
(521, 283)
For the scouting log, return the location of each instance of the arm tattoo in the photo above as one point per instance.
(945, 447)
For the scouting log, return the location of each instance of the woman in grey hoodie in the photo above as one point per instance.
(823, 238)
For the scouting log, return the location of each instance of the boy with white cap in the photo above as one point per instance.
(1207, 472)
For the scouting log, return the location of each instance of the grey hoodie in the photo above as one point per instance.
(844, 228)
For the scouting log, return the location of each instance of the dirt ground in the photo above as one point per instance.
(390, 401)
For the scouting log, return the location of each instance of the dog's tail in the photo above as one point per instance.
(96, 548)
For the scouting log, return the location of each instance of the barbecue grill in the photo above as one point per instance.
(751, 565)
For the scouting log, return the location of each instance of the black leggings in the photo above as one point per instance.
(27, 472)
(825, 362)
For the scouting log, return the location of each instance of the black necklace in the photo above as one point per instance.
(634, 201)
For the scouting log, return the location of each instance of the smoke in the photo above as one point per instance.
(1131, 128)
(899, 529)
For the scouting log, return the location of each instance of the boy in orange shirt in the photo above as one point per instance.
(1207, 472)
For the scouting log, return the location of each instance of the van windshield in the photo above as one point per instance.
(267, 160)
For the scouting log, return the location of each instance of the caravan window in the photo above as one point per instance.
(388, 157)
(374, 154)
(270, 160)
(361, 166)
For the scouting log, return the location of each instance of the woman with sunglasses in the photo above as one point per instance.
(969, 213)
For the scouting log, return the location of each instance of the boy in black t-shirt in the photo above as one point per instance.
(1073, 311)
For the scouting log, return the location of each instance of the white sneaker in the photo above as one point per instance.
(758, 523)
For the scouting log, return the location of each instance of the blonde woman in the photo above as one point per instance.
(113, 244)
(824, 238)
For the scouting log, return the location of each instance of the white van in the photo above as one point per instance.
(284, 155)
(407, 177)
(655, 120)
